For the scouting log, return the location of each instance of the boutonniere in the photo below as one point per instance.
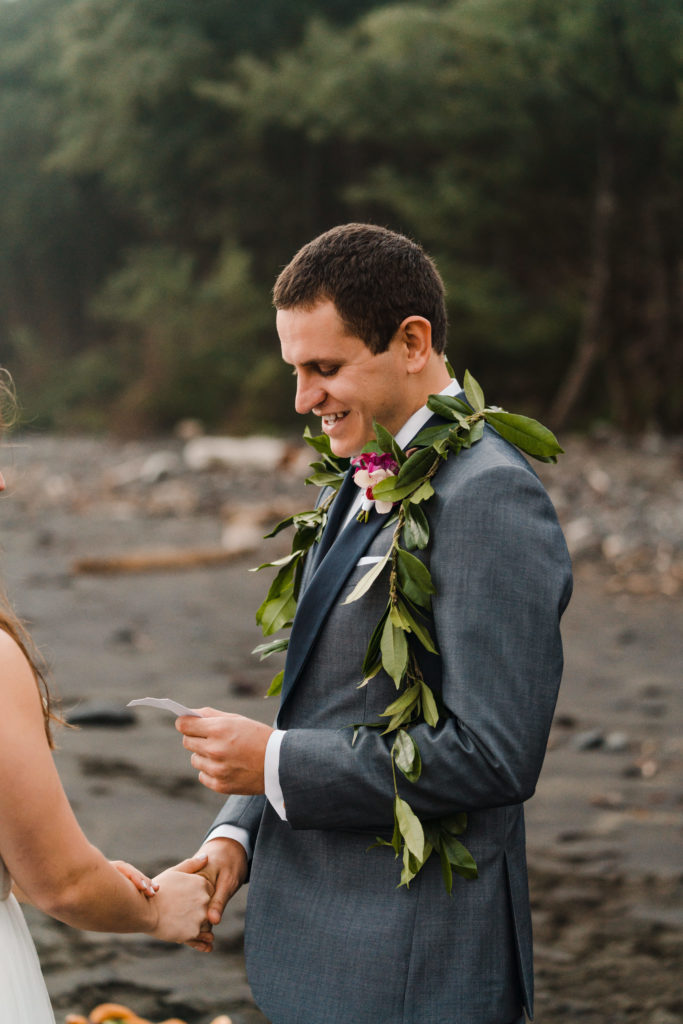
(370, 469)
(400, 480)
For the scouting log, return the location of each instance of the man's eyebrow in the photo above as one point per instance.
(316, 363)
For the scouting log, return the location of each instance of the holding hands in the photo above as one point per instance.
(228, 752)
(182, 903)
(224, 869)
(187, 900)
(179, 900)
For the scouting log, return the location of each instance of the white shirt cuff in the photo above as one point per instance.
(232, 832)
(271, 771)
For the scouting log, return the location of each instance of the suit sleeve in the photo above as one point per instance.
(502, 577)
(242, 811)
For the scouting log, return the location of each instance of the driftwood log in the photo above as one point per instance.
(156, 560)
(241, 535)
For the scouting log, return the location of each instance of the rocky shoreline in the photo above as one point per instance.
(604, 828)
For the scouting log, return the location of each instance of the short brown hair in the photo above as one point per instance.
(375, 278)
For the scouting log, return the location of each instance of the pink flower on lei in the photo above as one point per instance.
(370, 469)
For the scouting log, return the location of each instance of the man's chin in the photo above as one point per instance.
(347, 441)
(342, 451)
(346, 449)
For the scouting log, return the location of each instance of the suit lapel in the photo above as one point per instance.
(340, 506)
(332, 562)
(329, 576)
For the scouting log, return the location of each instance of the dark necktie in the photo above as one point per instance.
(335, 520)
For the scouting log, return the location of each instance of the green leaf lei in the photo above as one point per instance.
(404, 627)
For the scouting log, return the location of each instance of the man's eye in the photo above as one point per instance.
(328, 373)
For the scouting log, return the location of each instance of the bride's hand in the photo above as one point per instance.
(141, 882)
(182, 902)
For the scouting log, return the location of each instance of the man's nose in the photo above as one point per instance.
(2, 482)
(309, 394)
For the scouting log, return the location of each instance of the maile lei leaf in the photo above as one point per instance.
(277, 610)
(405, 629)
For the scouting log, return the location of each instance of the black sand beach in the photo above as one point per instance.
(604, 828)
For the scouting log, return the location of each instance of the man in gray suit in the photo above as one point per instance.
(329, 935)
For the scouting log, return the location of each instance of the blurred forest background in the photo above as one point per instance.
(160, 160)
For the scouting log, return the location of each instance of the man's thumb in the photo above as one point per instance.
(221, 894)
(216, 907)
(193, 864)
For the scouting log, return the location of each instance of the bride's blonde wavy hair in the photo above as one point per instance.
(9, 621)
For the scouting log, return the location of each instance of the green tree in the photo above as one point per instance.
(190, 339)
(135, 123)
(51, 226)
(148, 146)
(534, 147)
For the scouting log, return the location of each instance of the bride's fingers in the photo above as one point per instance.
(141, 882)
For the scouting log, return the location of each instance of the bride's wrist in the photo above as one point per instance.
(151, 910)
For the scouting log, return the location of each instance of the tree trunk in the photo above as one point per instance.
(589, 345)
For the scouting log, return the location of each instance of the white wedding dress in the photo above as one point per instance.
(23, 996)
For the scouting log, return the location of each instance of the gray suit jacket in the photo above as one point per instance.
(329, 937)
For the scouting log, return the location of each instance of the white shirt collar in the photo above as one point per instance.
(419, 418)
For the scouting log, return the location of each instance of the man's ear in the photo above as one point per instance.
(416, 334)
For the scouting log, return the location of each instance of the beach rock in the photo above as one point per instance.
(100, 713)
(580, 535)
(147, 469)
(258, 454)
(617, 742)
(591, 739)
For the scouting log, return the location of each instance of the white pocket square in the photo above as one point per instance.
(369, 559)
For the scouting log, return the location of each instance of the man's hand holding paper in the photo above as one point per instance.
(228, 751)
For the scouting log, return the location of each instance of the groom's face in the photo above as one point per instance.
(341, 380)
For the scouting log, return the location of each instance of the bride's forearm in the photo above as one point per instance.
(99, 898)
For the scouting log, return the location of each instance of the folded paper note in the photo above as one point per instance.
(165, 703)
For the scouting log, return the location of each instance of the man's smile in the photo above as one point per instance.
(330, 418)
(343, 382)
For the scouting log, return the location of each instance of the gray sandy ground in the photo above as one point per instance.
(604, 828)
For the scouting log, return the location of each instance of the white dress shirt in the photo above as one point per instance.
(272, 759)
